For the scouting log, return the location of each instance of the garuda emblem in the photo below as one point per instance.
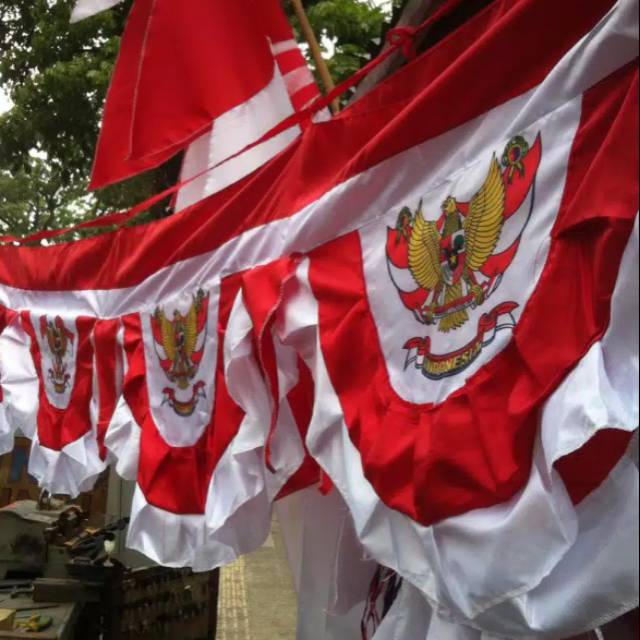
(457, 261)
(59, 342)
(179, 343)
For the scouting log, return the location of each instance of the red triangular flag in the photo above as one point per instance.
(181, 65)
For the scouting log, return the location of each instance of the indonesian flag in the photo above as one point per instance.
(291, 89)
(182, 66)
(439, 305)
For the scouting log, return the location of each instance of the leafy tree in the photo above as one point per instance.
(30, 201)
(57, 75)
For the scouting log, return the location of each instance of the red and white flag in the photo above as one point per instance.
(460, 285)
(291, 89)
(182, 66)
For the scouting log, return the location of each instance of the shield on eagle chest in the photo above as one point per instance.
(452, 256)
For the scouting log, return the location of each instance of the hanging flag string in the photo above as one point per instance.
(399, 39)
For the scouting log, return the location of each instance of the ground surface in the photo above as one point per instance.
(257, 599)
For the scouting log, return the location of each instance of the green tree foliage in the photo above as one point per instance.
(57, 74)
(355, 29)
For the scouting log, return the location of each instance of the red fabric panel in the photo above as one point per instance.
(370, 131)
(165, 89)
(262, 289)
(270, 15)
(300, 99)
(290, 61)
(162, 468)
(59, 427)
(585, 469)
(262, 293)
(106, 346)
(301, 402)
(474, 450)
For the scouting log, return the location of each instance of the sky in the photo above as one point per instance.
(5, 104)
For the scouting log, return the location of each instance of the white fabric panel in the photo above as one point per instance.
(70, 471)
(289, 512)
(567, 601)
(596, 581)
(87, 8)
(122, 441)
(353, 569)
(57, 397)
(248, 388)
(178, 430)
(330, 573)
(397, 324)
(412, 618)
(232, 132)
(298, 79)
(283, 46)
(19, 382)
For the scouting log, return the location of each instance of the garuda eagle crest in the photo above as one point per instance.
(444, 255)
(59, 339)
(180, 340)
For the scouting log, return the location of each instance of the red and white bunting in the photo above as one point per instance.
(439, 305)
(165, 91)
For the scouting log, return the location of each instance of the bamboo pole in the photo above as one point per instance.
(316, 51)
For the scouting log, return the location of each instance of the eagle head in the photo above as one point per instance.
(450, 205)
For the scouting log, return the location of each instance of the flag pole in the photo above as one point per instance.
(316, 52)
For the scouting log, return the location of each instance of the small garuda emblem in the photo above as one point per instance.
(456, 261)
(179, 343)
(59, 342)
(443, 259)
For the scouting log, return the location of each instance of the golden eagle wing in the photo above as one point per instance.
(168, 333)
(191, 330)
(63, 344)
(424, 251)
(51, 339)
(484, 222)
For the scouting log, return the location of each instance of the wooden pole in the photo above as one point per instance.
(316, 52)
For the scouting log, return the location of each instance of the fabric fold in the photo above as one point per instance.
(237, 521)
(438, 560)
(19, 381)
(70, 470)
